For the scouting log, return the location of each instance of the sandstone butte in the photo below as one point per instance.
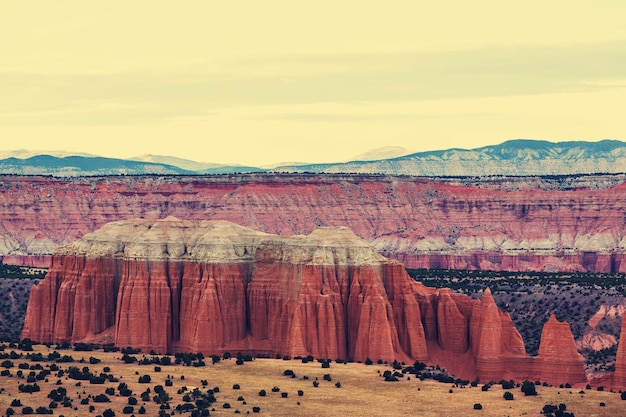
(618, 379)
(214, 286)
(420, 222)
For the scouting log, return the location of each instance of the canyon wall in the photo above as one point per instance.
(214, 286)
(421, 222)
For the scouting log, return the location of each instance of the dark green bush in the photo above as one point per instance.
(528, 388)
(101, 398)
(128, 358)
(145, 379)
(507, 384)
(28, 388)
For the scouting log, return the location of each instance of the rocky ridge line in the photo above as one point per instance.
(423, 223)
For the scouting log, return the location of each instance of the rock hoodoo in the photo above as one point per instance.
(619, 377)
(557, 352)
(213, 286)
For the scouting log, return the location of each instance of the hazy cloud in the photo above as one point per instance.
(152, 96)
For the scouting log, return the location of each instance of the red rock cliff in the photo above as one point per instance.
(213, 286)
(420, 222)
(618, 379)
(558, 357)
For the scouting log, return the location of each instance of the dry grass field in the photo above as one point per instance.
(362, 391)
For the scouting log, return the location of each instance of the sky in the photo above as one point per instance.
(281, 81)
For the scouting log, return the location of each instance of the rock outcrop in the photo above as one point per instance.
(619, 377)
(608, 318)
(420, 222)
(213, 286)
(557, 353)
(615, 380)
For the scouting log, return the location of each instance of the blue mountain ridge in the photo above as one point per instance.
(518, 157)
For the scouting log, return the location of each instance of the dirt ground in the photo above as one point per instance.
(362, 391)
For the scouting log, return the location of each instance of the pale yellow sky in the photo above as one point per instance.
(262, 82)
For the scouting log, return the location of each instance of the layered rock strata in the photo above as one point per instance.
(423, 223)
(213, 286)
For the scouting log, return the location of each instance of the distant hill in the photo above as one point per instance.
(386, 152)
(185, 164)
(518, 157)
(195, 167)
(28, 153)
(77, 166)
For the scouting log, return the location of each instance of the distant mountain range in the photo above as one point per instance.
(520, 157)
(62, 164)
(77, 166)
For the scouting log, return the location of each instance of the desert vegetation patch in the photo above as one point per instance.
(84, 380)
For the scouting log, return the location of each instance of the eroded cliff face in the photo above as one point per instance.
(558, 356)
(213, 286)
(423, 223)
(619, 377)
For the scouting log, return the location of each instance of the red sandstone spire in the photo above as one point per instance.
(558, 357)
(619, 378)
